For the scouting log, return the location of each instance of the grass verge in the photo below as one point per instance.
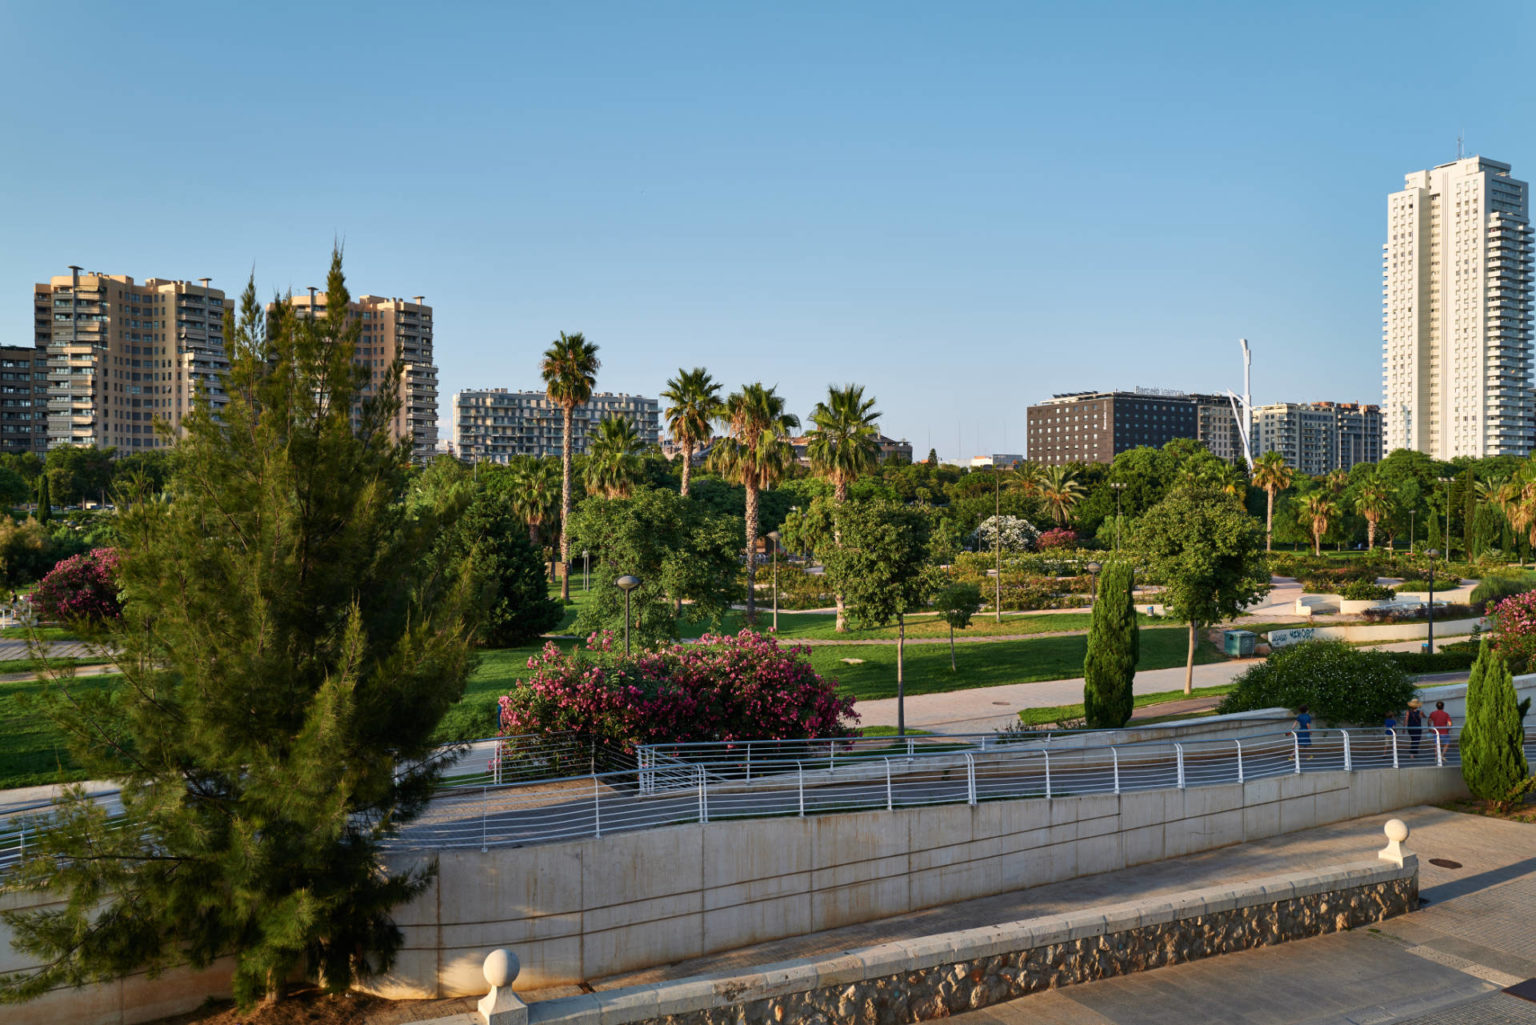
(1058, 713)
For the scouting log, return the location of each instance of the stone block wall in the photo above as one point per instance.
(938, 976)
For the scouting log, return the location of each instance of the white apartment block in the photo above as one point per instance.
(1318, 437)
(493, 425)
(1456, 313)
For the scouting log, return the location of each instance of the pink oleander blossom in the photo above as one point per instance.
(719, 688)
(81, 589)
(1514, 630)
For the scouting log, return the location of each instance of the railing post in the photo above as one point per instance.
(1239, 744)
(1178, 750)
(832, 755)
(1393, 735)
(970, 780)
(1348, 765)
(801, 766)
(703, 798)
(1439, 749)
(1296, 751)
(1047, 755)
(909, 747)
(1114, 754)
(485, 804)
(597, 807)
(890, 803)
(749, 761)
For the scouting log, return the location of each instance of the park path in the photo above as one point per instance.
(983, 709)
(1445, 964)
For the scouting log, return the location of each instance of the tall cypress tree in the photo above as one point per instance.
(286, 648)
(1492, 738)
(44, 499)
(1114, 642)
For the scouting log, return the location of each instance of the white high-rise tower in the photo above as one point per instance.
(1456, 313)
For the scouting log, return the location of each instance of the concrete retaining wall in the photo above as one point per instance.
(1377, 632)
(937, 976)
(595, 907)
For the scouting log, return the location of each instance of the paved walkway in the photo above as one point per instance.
(1477, 917)
(1443, 965)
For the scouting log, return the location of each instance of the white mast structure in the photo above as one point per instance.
(1245, 417)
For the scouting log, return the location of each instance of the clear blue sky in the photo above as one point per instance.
(963, 206)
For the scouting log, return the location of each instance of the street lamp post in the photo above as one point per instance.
(1119, 487)
(586, 570)
(627, 583)
(1447, 482)
(1411, 514)
(1093, 571)
(773, 536)
(1432, 553)
(997, 543)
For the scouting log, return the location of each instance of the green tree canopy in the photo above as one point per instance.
(881, 563)
(1208, 554)
(681, 552)
(286, 651)
(1493, 737)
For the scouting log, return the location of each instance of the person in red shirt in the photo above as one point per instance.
(1440, 722)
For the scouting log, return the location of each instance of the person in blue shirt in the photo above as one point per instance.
(1303, 728)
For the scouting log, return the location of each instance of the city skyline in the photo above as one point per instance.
(963, 211)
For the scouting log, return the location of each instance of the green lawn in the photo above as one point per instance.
(1059, 713)
(31, 750)
(45, 633)
(987, 665)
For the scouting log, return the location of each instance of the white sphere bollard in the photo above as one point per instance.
(501, 967)
(1397, 832)
(500, 1006)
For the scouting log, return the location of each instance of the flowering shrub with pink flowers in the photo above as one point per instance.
(718, 688)
(81, 589)
(1057, 537)
(1514, 631)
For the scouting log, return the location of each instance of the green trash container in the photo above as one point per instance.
(1239, 643)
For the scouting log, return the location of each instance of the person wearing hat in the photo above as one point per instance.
(1414, 720)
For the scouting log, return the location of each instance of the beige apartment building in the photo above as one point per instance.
(120, 356)
(391, 329)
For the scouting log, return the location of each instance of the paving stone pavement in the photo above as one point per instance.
(1446, 964)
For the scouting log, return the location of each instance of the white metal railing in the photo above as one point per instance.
(663, 790)
(601, 803)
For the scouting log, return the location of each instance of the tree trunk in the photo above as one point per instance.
(565, 504)
(840, 494)
(687, 465)
(1317, 542)
(751, 519)
(1189, 665)
(1370, 535)
(1269, 520)
(952, 647)
(901, 690)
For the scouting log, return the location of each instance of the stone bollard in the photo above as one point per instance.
(501, 1006)
(1397, 832)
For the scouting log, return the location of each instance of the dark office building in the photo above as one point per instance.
(23, 399)
(1094, 427)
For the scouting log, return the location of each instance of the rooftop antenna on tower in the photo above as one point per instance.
(1460, 144)
(1244, 417)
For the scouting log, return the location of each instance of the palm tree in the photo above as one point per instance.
(1061, 491)
(535, 488)
(1271, 474)
(844, 443)
(1028, 478)
(613, 464)
(1374, 502)
(755, 454)
(1316, 510)
(570, 368)
(694, 403)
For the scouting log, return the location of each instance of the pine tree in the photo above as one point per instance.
(1114, 643)
(287, 648)
(1492, 738)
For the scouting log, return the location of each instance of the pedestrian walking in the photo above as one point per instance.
(1304, 730)
(1440, 721)
(1415, 723)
